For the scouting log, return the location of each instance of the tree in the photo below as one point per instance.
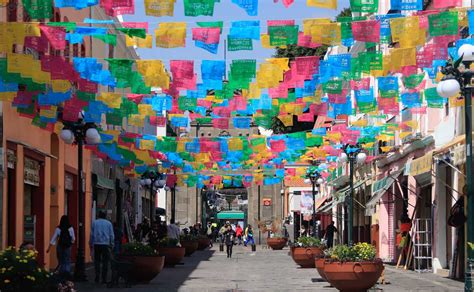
(291, 52)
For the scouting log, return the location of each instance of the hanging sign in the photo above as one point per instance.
(32, 172)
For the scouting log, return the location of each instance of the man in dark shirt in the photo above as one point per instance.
(329, 235)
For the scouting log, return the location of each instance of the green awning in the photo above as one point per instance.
(230, 215)
(381, 186)
(105, 183)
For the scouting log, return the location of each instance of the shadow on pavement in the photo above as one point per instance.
(170, 279)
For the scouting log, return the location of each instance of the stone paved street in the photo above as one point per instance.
(264, 270)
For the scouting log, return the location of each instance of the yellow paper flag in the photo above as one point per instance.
(159, 7)
(171, 35)
(326, 34)
(309, 23)
(146, 43)
(111, 99)
(329, 4)
(287, 120)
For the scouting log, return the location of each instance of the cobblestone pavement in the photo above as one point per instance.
(264, 270)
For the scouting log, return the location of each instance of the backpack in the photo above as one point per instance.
(65, 239)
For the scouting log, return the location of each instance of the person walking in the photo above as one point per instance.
(63, 237)
(173, 230)
(249, 235)
(101, 242)
(229, 237)
(238, 233)
(209, 232)
(329, 234)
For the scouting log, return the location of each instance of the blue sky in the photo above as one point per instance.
(226, 11)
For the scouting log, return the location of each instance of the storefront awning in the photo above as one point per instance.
(105, 183)
(230, 215)
(381, 186)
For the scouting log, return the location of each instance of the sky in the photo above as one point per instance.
(226, 11)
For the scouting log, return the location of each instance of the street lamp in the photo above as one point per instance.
(352, 154)
(313, 176)
(458, 80)
(152, 179)
(80, 132)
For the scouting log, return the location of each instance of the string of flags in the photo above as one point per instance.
(380, 81)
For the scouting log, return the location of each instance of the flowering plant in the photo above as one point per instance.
(138, 249)
(168, 242)
(19, 271)
(308, 241)
(356, 253)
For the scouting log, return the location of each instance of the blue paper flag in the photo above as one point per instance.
(242, 122)
(211, 48)
(245, 30)
(250, 6)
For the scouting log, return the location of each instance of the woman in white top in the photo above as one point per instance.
(63, 237)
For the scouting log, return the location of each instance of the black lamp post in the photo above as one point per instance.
(352, 153)
(314, 176)
(80, 132)
(151, 179)
(456, 80)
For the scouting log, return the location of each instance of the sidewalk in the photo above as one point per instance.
(264, 270)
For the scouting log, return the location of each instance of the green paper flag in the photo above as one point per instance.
(67, 25)
(133, 32)
(283, 35)
(443, 23)
(433, 99)
(114, 119)
(199, 7)
(204, 120)
(369, 6)
(243, 69)
(413, 81)
(263, 121)
(38, 9)
(238, 44)
(333, 87)
(187, 103)
(366, 107)
(370, 61)
(219, 24)
(110, 39)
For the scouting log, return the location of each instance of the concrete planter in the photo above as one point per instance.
(353, 276)
(190, 246)
(173, 255)
(203, 243)
(276, 243)
(304, 256)
(144, 268)
(319, 264)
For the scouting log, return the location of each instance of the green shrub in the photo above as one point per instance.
(308, 241)
(168, 242)
(187, 237)
(138, 249)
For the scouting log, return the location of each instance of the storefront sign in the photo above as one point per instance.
(459, 155)
(11, 159)
(422, 164)
(32, 172)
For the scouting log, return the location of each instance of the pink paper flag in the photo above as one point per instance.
(118, 7)
(306, 117)
(182, 69)
(291, 171)
(286, 22)
(363, 84)
(306, 41)
(55, 35)
(423, 17)
(157, 121)
(366, 31)
(340, 98)
(87, 86)
(220, 123)
(136, 25)
(278, 145)
(420, 110)
(446, 3)
(208, 35)
(185, 83)
(39, 44)
(306, 67)
(222, 111)
(204, 103)
(287, 3)
(278, 92)
(319, 109)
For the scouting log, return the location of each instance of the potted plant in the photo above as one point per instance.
(19, 271)
(172, 250)
(189, 242)
(353, 268)
(277, 239)
(146, 263)
(305, 250)
(203, 242)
